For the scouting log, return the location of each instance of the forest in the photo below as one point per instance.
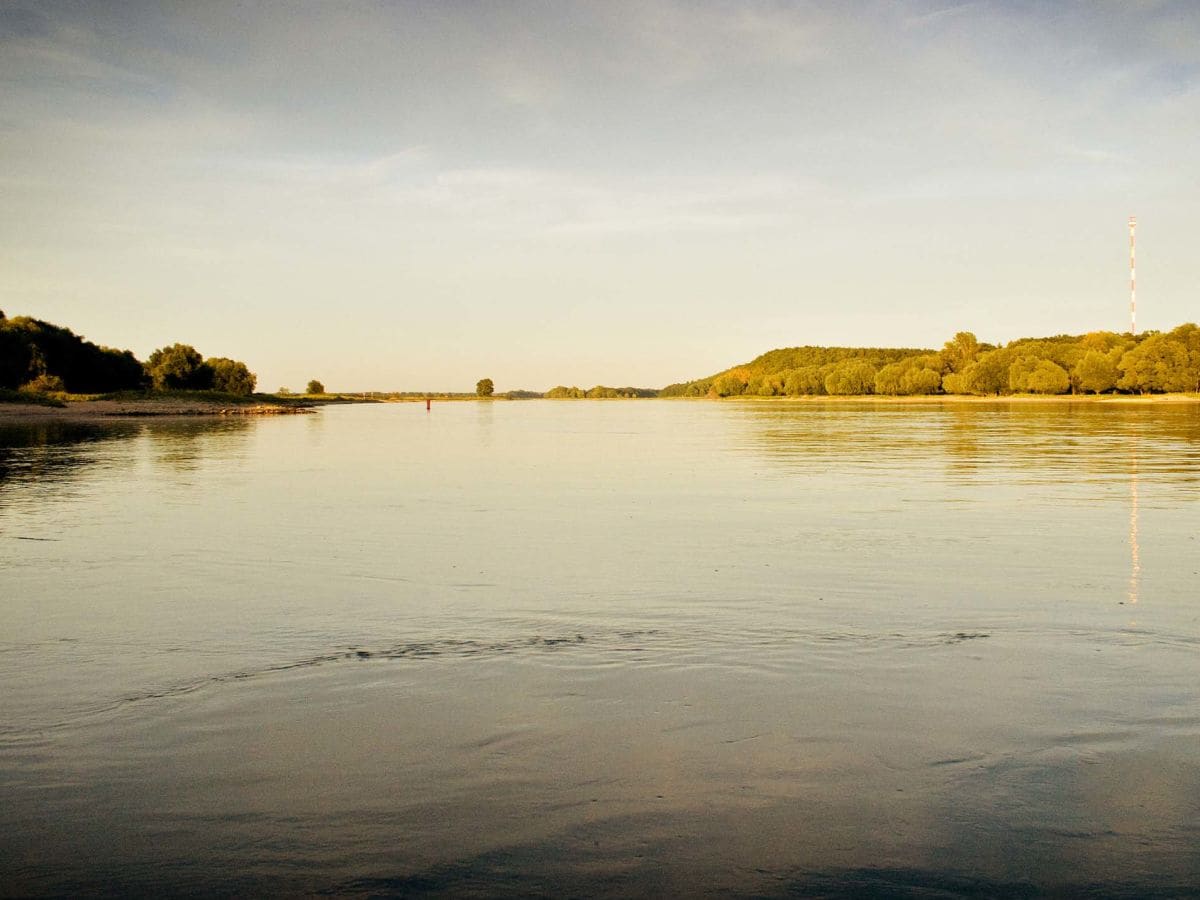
(1099, 362)
(37, 357)
(599, 392)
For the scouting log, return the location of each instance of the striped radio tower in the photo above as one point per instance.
(1132, 275)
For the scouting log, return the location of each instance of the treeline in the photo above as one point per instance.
(38, 357)
(598, 392)
(1099, 362)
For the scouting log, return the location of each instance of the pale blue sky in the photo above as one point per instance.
(417, 195)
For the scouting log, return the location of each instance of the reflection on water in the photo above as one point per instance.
(1029, 441)
(1135, 564)
(50, 450)
(652, 648)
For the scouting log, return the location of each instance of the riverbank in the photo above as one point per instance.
(157, 408)
(966, 398)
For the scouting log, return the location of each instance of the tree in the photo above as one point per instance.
(851, 376)
(729, 385)
(1159, 363)
(1029, 374)
(1096, 372)
(231, 376)
(1188, 335)
(315, 387)
(915, 375)
(988, 374)
(30, 348)
(961, 351)
(1048, 377)
(484, 387)
(805, 381)
(179, 366)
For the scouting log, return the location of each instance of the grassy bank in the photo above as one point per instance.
(150, 403)
(7, 395)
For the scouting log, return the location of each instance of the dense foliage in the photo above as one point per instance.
(1095, 363)
(314, 387)
(43, 357)
(38, 357)
(484, 387)
(598, 392)
(181, 367)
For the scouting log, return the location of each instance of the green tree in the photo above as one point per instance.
(850, 377)
(960, 352)
(989, 373)
(314, 387)
(179, 366)
(805, 381)
(1048, 377)
(729, 385)
(914, 375)
(484, 387)
(231, 376)
(955, 383)
(1158, 364)
(1096, 372)
(1189, 336)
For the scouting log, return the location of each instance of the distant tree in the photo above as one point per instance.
(1048, 377)
(954, 383)
(179, 366)
(729, 385)
(988, 374)
(804, 381)
(484, 387)
(231, 376)
(1096, 372)
(1160, 363)
(1188, 335)
(1103, 341)
(960, 352)
(314, 387)
(561, 392)
(914, 375)
(851, 377)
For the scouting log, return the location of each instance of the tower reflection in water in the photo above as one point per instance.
(1135, 564)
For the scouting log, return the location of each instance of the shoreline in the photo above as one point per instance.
(84, 410)
(967, 398)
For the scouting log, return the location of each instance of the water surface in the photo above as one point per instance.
(636, 648)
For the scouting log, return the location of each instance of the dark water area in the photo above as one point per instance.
(643, 648)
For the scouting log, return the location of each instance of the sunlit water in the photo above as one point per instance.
(636, 648)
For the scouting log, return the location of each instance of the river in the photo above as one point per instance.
(631, 648)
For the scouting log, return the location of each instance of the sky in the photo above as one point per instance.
(417, 195)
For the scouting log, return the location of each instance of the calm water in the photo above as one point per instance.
(635, 648)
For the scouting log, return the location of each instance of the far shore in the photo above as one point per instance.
(967, 398)
(179, 407)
